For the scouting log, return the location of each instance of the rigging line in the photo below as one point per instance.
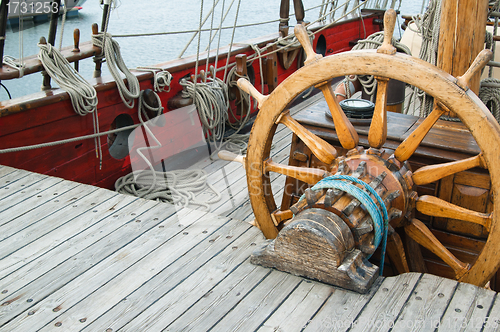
(68, 140)
(198, 50)
(218, 42)
(210, 41)
(63, 23)
(197, 32)
(223, 18)
(232, 40)
(150, 34)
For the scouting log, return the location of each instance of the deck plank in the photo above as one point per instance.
(103, 270)
(252, 311)
(44, 238)
(44, 217)
(467, 309)
(72, 258)
(340, 310)
(384, 307)
(206, 252)
(182, 296)
(162, 247)
(298, 308)
(25, 200)
(426, 305)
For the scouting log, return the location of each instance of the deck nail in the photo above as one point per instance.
(83, 320)
(58, 324)
(4, 291)
(31, 313)
(29, 300)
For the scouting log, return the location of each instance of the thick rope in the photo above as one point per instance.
(178, 187)
(428, 29)
(82, 94)
(211, 101)
(161, 78)
(116, 65)
(373, 41)
(490, 96)
(69, 140)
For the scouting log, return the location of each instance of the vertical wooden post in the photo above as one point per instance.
(461, 36)
(76, 49)
(3, 25)
(284, 12)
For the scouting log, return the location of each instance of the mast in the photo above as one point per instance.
(461, 36)
(3, 25)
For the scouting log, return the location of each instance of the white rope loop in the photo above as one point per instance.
(111, 50)
(178, 187)
(82, 94)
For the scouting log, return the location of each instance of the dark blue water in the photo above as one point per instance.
(132, 17)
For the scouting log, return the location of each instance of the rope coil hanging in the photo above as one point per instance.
(112, 54)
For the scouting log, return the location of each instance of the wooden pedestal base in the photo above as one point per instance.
(318, 245)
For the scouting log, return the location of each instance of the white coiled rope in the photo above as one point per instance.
(490, 96)
(161, 78)
(211, 101)
(372, 42)
(82, 94)
(179, 187)
(111, 50)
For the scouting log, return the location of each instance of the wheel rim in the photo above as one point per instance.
(424, 76)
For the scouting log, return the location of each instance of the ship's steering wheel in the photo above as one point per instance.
(449, 93)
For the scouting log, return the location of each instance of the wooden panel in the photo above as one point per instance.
(469, 190)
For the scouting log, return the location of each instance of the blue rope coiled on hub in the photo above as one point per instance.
(377, 213)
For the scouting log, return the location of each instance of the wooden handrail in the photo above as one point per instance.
(33, 65)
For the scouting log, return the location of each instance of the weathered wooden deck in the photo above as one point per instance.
(75, 257)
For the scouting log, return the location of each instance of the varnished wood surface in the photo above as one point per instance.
(444, 135)
(78, 257)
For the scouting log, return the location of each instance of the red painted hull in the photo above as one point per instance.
(49, 116)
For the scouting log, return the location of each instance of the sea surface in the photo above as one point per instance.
(134, 17)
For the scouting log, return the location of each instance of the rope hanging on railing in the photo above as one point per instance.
(111, 50)
(211, 101)
(82, 94)
(378, 212)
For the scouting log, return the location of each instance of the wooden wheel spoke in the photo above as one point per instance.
(229, 156)
(307, 175)
(346, 133)
(301, 34)
(475, 68)
(279, 216)
(406, 149)
(246, 86)
(320, 148)
(431, 173)
(437, 207)
(423, 236)
(378, 128)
